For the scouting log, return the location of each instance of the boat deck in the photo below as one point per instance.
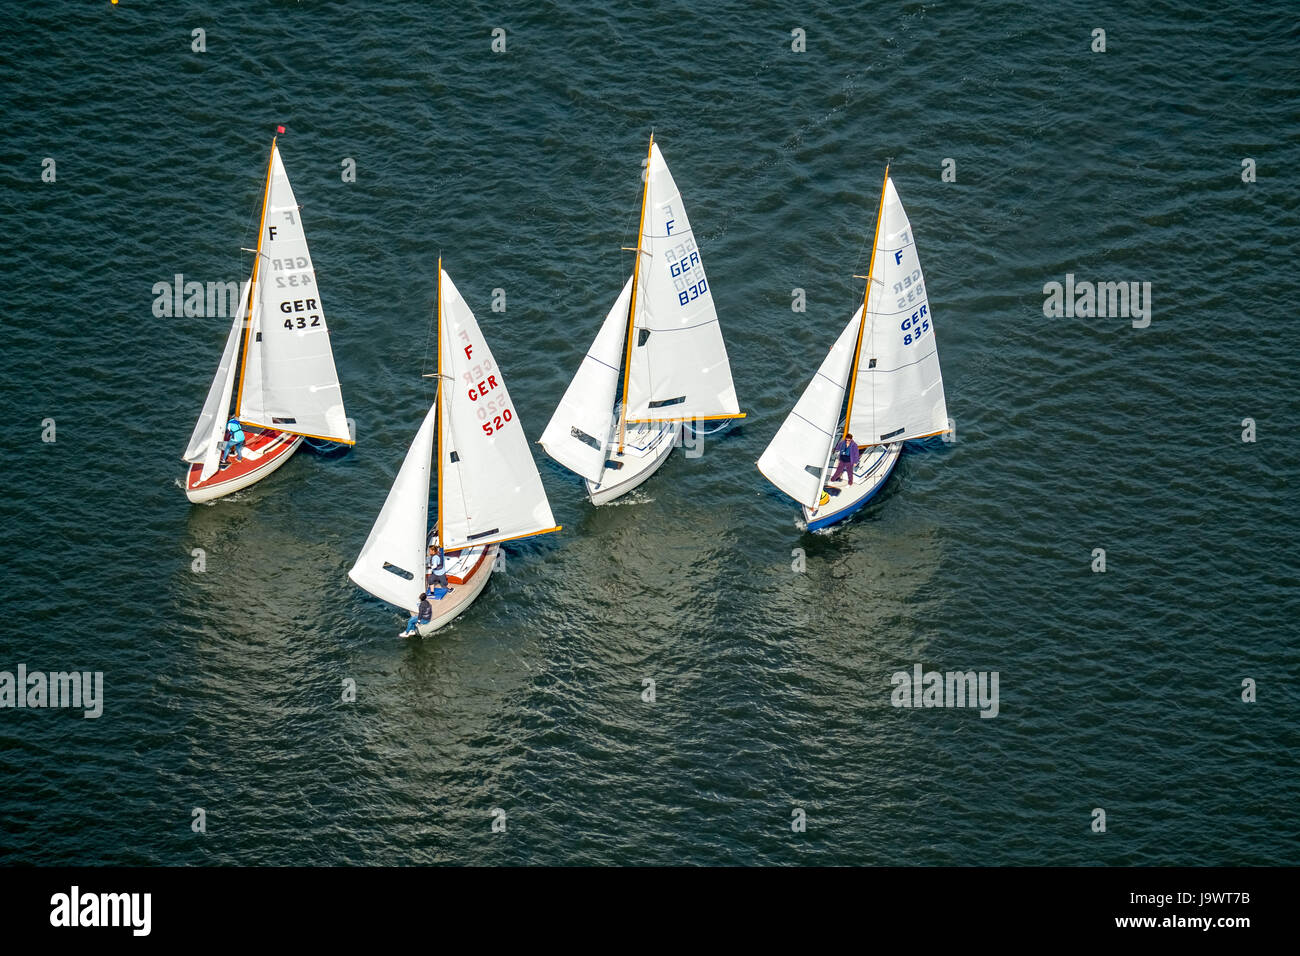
(263, 452)
(839, 499)
(460, 565)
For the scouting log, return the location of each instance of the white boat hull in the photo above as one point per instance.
(461, 596)
(647, 445)
(840, 499)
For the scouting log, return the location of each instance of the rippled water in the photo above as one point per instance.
(1118, 690)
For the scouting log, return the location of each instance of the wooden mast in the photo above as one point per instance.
(866, 296)
(252, 285)
(631, 308)
(438, 423)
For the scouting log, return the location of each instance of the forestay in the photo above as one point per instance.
(209, 432)
(290, 382)
(796, 458)
(899, 390)
(395, 547)
(679, 367)
(578, 431)
(491, 489)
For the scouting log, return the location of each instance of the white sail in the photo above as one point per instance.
(578, 431)
(209, 432)
(290, 382)
(396, 542)
(679, 366)
(795, 460)
(899, 390)
(491, 489)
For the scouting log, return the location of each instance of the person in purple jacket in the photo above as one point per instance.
(848, 458)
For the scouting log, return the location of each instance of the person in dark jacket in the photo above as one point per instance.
(847, 450)
(423, 615)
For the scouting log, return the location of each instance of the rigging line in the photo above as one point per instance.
(255, 212)
(714, 430)
(815, 426)
(428, 334)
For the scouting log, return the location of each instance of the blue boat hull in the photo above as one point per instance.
(878, 481)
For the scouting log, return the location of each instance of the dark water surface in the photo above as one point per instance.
(1119, 691)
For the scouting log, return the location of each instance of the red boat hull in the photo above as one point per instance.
(264, 452)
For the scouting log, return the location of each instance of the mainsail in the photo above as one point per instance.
(209, 432)
(391, 563)
(898, 393)
(488, 486)
(578, 431)
(795, 460)
(678, 368)
(289, 381)
(491, 490)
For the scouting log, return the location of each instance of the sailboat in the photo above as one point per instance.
(278, 351)
(488, 487)
(887, 362)
(663, 332)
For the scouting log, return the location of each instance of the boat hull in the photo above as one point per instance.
(870, 475)
(462, 595)
(263, 454)
(646, 447)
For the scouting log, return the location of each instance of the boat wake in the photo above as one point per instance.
(634, 497)
(211, 502)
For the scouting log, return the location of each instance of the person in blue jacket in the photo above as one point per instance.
(436, 573)
(847, 450)
(234, 441)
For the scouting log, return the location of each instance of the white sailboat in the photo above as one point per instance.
(663, 331)
(887, 363)
(488, 487)
(278, 350)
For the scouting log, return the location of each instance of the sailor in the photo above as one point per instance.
(437, 567)
(234, 441)
(847, 450)
(423, 615)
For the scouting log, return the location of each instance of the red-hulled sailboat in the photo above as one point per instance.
(277, 366)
